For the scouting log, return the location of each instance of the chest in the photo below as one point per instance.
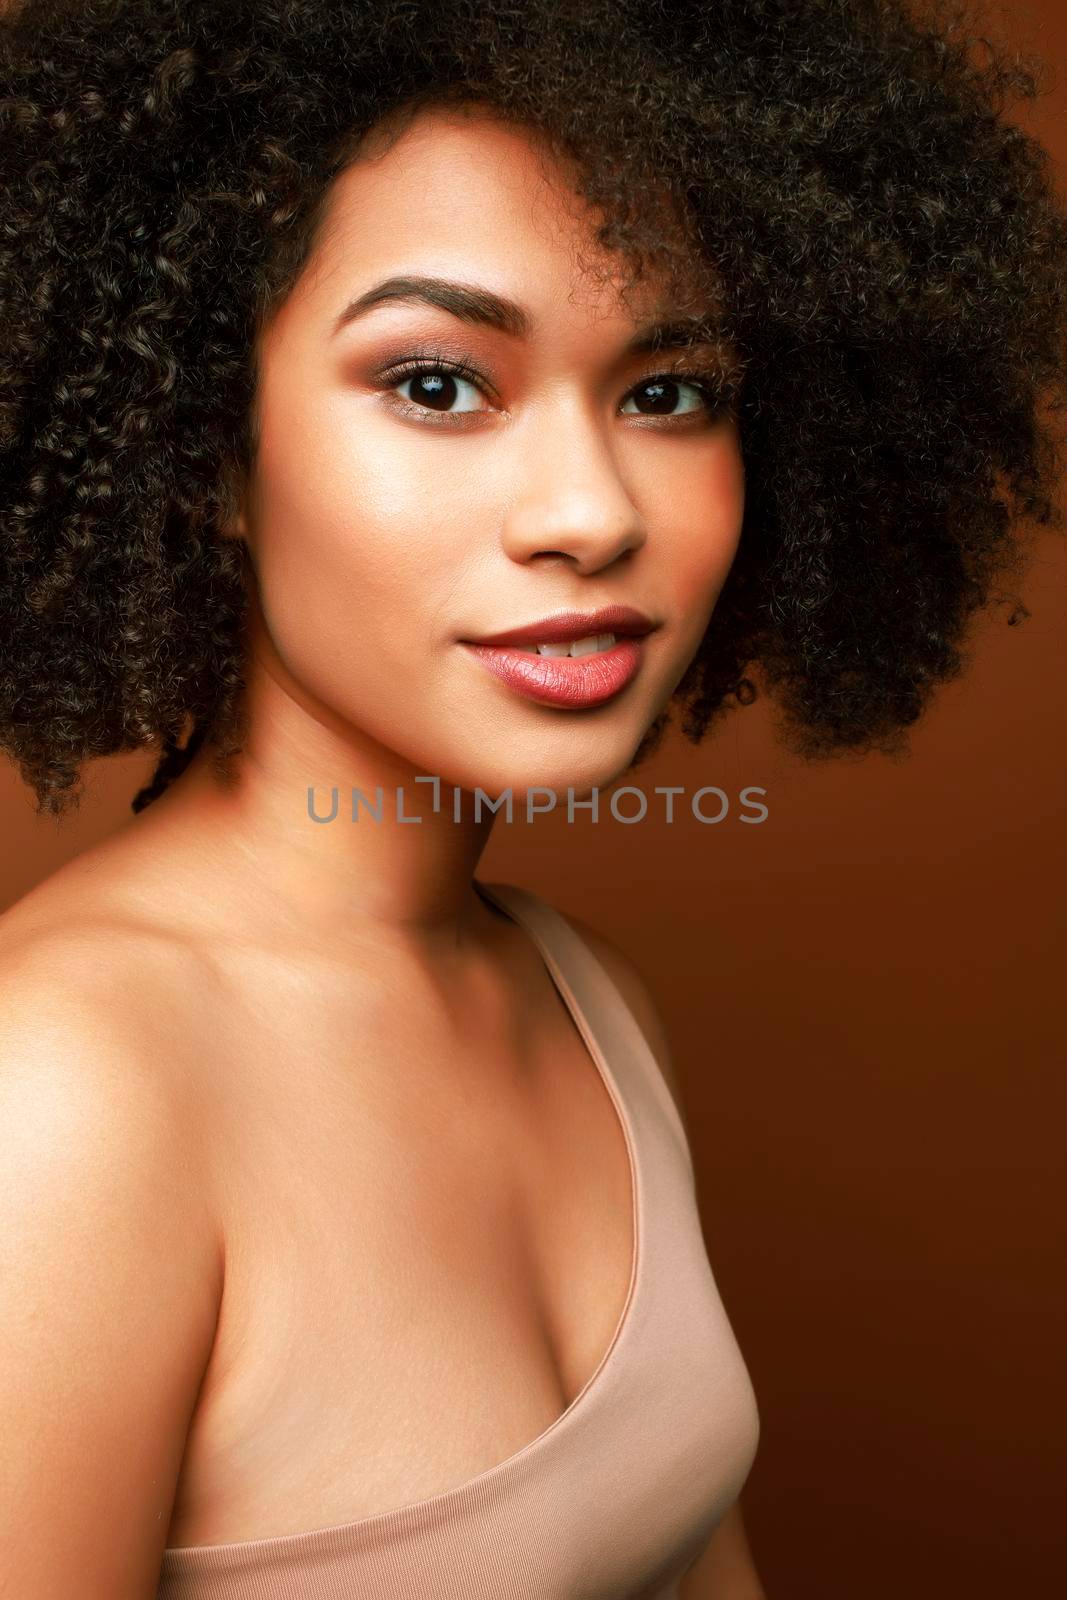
(427, 1257)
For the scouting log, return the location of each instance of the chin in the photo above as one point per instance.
(577, 769)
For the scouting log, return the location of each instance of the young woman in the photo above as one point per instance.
(350, 1239)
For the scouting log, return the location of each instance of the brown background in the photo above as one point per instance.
(865, 1003)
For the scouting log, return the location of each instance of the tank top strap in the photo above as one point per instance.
(595, 999)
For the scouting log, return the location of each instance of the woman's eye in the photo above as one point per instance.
(437, 389)
(441, 391)
(659, 396)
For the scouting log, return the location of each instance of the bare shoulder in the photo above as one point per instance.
(95, 1026)
(107, 983)
(101, 1005)
(110, 1256)
(631, 983)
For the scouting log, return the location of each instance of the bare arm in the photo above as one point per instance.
(110, 1276)
(725, 1570)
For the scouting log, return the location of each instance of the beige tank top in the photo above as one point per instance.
(618, 1496)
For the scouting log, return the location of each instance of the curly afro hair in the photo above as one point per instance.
(889, 259)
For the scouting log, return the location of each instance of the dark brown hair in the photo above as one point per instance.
(888, 250)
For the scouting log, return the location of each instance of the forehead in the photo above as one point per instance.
(461, 193)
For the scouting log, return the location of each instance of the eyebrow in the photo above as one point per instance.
(472, 303)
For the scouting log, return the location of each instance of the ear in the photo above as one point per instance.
(234, 521)
(234, 526)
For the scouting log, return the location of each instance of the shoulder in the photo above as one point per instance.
(88, 1022)
(630, 982)
(96, 1011)
(112, 1256)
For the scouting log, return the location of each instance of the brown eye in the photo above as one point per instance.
(439, 389)
(659, 396)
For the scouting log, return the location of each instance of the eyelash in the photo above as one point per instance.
(714, 391)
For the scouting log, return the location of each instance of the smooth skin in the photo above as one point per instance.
(229, 1032)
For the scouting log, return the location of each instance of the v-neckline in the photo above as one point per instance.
(409, 1516)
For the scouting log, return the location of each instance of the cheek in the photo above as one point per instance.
(345, 581)
(346, 545)
(705, 515)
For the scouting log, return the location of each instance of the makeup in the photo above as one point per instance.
(573, 682)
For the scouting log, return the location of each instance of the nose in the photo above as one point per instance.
(572, 501)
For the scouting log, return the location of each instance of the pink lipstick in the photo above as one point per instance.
(610, 649)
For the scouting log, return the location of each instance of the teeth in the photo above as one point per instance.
(592, 644)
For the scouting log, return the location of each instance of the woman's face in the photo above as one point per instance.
(392, 515)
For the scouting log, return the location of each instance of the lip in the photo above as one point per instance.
(625, 621)
(572, 682)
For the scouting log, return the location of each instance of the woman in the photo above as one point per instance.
(341, 340)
